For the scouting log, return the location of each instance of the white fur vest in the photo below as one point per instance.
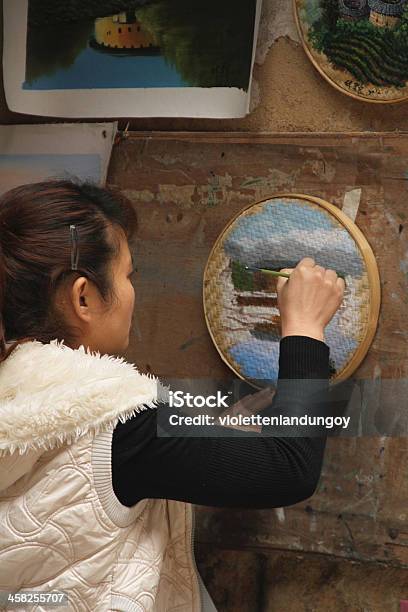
(61, 526)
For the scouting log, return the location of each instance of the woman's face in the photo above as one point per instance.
(106, 331)
(114, 329)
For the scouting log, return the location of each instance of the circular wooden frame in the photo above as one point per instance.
(371, 268)
(333, 83)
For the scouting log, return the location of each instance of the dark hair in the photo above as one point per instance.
(35, 253)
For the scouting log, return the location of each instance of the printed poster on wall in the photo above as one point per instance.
(32, 153)
(130, 58)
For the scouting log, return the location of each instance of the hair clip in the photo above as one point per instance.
(74, 247)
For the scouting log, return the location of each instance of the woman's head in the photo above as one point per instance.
(40, 296)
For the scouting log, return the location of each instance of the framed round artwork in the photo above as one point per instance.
(240, 304)
(359, 46)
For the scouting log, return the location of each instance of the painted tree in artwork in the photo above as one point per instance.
(241, 278)
(330, 13)
(53, 47)
(376, 56)
(401, 32)
(209, 42)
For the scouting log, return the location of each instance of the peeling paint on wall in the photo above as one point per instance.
(277, 20)
(216, 190)
(179, 194)
(404, 263)
(255, 95)
(142, 195)
(278, 180)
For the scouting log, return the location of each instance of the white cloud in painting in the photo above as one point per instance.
(330, 248)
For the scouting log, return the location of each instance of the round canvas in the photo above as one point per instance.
(241, 306)
(359, 46)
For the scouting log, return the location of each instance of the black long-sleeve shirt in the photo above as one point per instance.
(228, 469)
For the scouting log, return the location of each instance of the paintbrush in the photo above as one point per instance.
(274, 273)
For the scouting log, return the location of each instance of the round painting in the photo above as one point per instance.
(359, 46)
(241, 305)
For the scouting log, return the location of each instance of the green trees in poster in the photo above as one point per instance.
(51, 47)
(209, 42)
(330, 14)
(371, 54)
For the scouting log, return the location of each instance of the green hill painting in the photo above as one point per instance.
(360, 46)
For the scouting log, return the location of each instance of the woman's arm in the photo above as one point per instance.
(231, 468)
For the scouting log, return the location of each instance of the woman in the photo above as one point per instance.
(92, 502)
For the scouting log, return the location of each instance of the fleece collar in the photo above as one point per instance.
(51, 394)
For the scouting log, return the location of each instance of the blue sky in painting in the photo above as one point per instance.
(286, 214)
(83, 166)
(18, 170)
(284, 232)
(93, 69)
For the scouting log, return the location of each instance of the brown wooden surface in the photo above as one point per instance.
(278, 581)
(186, 187)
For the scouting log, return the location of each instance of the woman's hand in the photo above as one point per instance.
(309, 299)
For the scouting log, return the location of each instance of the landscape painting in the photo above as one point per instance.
(16, 170)
(139, 44)
(241, 305)
(33, 153)
(129, 58)
(360, 46)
